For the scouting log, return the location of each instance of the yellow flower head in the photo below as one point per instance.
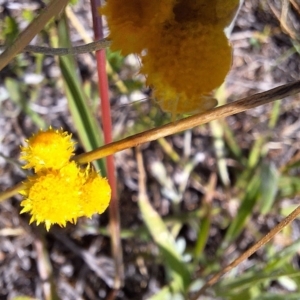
(58, 196)
(131, 21)
(60, 191)
(184, 50)
(184, 64)
(48, 149)
(53, 196)
(95, 194)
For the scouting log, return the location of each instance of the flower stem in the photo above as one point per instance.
(107, 129)
(172, 128)
(190, 122)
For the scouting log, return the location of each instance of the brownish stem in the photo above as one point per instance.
(196, 120)
(114, 220)
(249, 252)
(53, 9)
(190, 122)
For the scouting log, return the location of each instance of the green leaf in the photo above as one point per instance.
(166, 244)
(245, 283)
(167, 292)
(203, 234)
(232, 143)
(10, 30)
(283, 257)
(288, 186)
(255, 154)
(273, 296)
(254, 277)
(268, 187)
(245, 211)
(115, 59)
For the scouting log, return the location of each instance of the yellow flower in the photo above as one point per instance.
(185, 64)
(48, 149)
(95, 194)
(184, 50)
(58, 196)
(53, 196)
(131, 21)
(60, 191)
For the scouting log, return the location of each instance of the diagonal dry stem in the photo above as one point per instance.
(190, 122)
(249, 252)
(196, 120)
(53, 9)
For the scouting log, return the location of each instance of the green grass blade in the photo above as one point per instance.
(16, 93)
(166, 244)
(275, 114)
(203, 234)
(232, 143)
(283, 257)
(249, 280)
(289, 186)
(167, 292)
(219, 146)
(245, 211)
(268, 187)
(84, 119)
(256, 152)
(273, 296)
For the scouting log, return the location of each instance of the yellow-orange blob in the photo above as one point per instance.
(131, 21)
(53, 196)
(48, 149)
(184, 50)
(60, 191)
(95, 194)
(184, 68)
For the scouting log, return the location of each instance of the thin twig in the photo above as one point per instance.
(114, 214)
(44, 268)
(86, 48)
(142, 175)
(283, 19)
(249, 252)
(12, 191)
(162, 131)
(101, 265)
(190, 122)
(53, 9)
(296, 6)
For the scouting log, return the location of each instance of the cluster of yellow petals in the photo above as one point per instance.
(60, 191)
(48, 149)
(182, 44)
